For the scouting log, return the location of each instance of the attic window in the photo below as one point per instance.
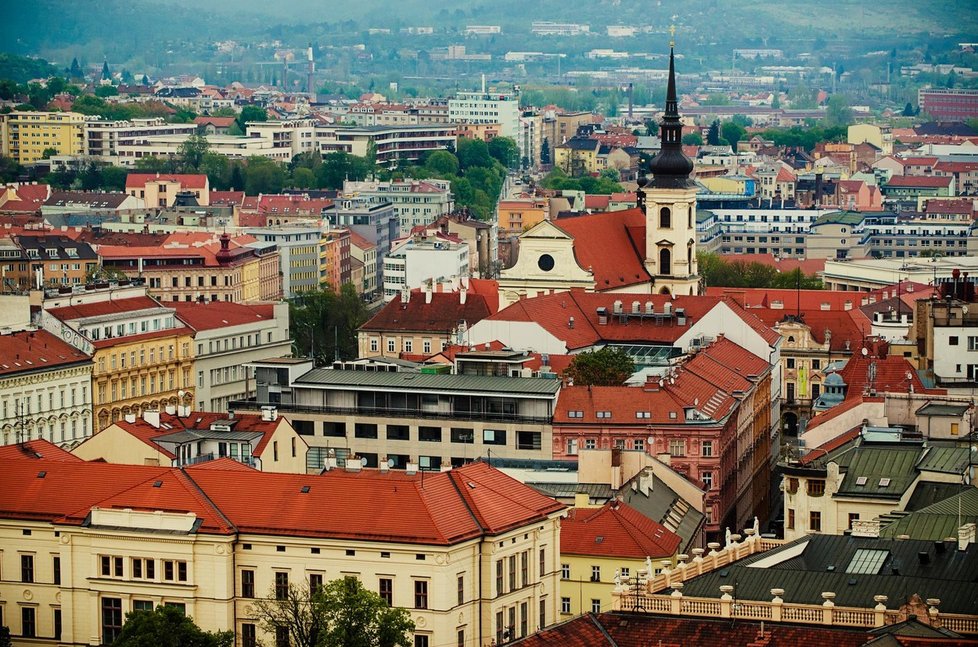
(604, 414)
(157, 483)
(643, 414)
(884, 482)
(599, 539)
(41, 474)
(861, 480)
(867, 561)
(305, 489)
(575, 414)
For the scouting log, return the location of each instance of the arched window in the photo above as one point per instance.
(665, 218)
(665, 261)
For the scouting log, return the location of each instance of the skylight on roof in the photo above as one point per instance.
(884, 482)
(861, 480)
(867, 561)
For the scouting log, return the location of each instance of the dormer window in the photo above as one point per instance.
(52, 252)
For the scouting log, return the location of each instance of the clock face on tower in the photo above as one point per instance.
(545, 262)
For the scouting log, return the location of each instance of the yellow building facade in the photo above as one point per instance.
(607, 548)
(26, 135)
(115, 538)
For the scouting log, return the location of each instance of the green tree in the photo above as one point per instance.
(505, 151)
(326, 321)
(473, 152)
(191, 153)
(908, 110)
(612, 174)
(443, 163)
(693, 139)
(605, 367)
(837, 112)
(106, 91)
(5, 637)
(341, 614)
(713, 134)
(10, 170)
(215, 167)
(339, 166)
(733, 132)
(263, 175)
(303, 178)
(48, 153)
(114, 178)
(250, 113)
(90, 177)
(545, 151)
(168, 627)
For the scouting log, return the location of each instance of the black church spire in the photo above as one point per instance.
(671, 168)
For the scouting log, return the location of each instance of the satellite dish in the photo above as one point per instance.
(865, 352)
(909, 375)
(390, 462)
(696, 402)
(651, 440)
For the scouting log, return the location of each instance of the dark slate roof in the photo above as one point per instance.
(61, 244)
(580, 144)
(945, 459)
(93, 199)
(657, 504)
(950, 575)
(926, 494)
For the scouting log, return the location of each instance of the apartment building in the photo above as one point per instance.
(298, 252)
(416, 202)
(48, 260)
(93, 541)
(135, 148)
(142, 353)
(25, 136)
(336, 258)
(487, 107)
(407, 419)
(45, 389)
(296, 136)
(181, 437)
(102, 137)
(202, 267)
(390, 144)
(228, 336)
(376, 222)
(160, 190)
(418, 261)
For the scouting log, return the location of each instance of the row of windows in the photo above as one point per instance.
(677, 446)
(407, 345)
(23, 405)
(143, 568)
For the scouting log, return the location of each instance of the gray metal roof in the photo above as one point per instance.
(599, 491)
(524, 386)
(192, 435)
(942, 409)
(662, 499)
(949, 575)
(937, 521)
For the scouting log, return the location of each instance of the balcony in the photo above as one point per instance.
(389, 412)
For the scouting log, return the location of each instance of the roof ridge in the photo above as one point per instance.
(198, 492)
(482, 526)
(600, 627)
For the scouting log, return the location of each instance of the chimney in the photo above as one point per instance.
(152, 416)
(130, 417)
(427, 292)
(462, 296)
(966, 535)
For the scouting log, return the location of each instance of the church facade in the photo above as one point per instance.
(647, 250)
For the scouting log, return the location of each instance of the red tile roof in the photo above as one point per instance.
(615, 530)
(219, 122)
(360, 241)
(36, 350)
(186, 180)
(215, 314)
(39, 449)
(921, 181)
(553, 312)
(443, 314)
(145, 432)
(623, 629)
(156, 334)
(227, 198)
(292, 204)
(113, 306)
(463, 504)
(893, 375)
(611, 245)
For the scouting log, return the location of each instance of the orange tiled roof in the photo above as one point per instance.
(114, 306)
(615, 530)
(39, 449)
(186, 180)
(443, 314)
(214, 315)
(611, 245)
(36, 350)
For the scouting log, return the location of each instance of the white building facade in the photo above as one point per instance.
(412, 263)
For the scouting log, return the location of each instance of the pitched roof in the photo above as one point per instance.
(893, 375)
(39, 449)
(99, 308)
(215, 315)
(36, 350)
(450, 507)
(611, 245)
(227, 198)
(553, 312)
(186, 180)
(922, 181)
(442, 314)
(615, 530)
(98, 199)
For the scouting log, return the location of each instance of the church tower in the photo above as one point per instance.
(670, 206)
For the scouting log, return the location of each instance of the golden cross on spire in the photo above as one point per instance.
(672, 36)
